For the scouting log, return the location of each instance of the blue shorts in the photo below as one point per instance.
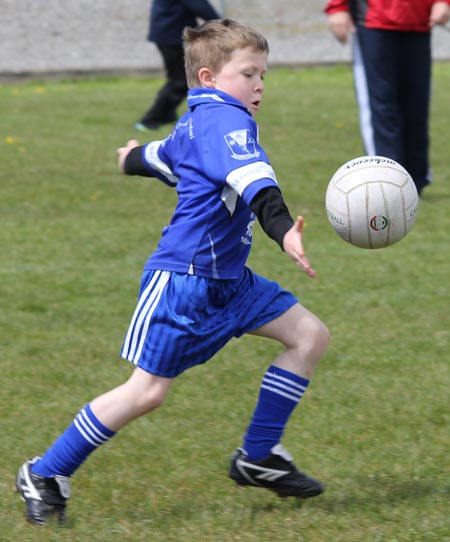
(183, 320)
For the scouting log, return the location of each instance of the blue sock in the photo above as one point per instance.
(73, 447)
(279, 394)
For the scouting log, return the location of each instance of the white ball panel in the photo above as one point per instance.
(371, 202)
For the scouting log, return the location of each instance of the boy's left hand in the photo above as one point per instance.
(293, 246)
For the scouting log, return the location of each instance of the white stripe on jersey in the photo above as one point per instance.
(213, 259)
(135, 339)
(151, 156)
(243, 176)
(229, 197)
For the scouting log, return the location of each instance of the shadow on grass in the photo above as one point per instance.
(432, 197)
(360, 493)
(251, 506)
(367, 492)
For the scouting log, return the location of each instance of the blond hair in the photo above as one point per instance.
(211, 44)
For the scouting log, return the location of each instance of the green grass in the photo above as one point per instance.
(75, 234)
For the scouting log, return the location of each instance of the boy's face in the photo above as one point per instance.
(242, 77)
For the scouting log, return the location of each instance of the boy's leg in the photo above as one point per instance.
(263, 462)
(139, 395)
(44, 483)
(284, 383)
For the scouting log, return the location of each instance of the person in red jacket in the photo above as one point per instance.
(392, 60)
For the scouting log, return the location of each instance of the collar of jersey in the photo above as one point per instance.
(197, 96)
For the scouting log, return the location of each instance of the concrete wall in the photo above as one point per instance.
(38, 36)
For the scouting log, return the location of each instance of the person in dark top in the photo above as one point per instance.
(168, 18)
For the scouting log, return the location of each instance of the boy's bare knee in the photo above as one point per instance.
(313, 344)
(156, 400)
(323, 336)
(151, 400)
(146, 392)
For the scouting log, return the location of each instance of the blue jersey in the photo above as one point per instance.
(214, 160)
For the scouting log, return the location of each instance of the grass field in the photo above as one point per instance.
(374, 425)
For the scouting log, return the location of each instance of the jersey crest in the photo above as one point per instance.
(242, 145)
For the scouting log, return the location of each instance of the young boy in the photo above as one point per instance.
(196, 292)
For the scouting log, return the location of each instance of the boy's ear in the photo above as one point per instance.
(206, 78)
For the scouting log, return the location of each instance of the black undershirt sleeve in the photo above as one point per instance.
(272, 213)
(134, 165)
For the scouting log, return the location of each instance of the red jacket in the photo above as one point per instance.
(404, 15)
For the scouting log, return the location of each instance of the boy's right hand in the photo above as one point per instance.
(123, 153)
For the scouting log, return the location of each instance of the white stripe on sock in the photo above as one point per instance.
(287, 380)
(84, 434)
(85, 428)
(89, 426)
(285, 385)
(295, 398)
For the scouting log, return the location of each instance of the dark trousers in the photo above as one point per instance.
(174, 90)
(392, 80)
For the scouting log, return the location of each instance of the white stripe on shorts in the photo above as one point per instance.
(137, 332)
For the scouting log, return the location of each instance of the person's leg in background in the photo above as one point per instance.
(415, 95)
(376, 75)
(174, 91)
